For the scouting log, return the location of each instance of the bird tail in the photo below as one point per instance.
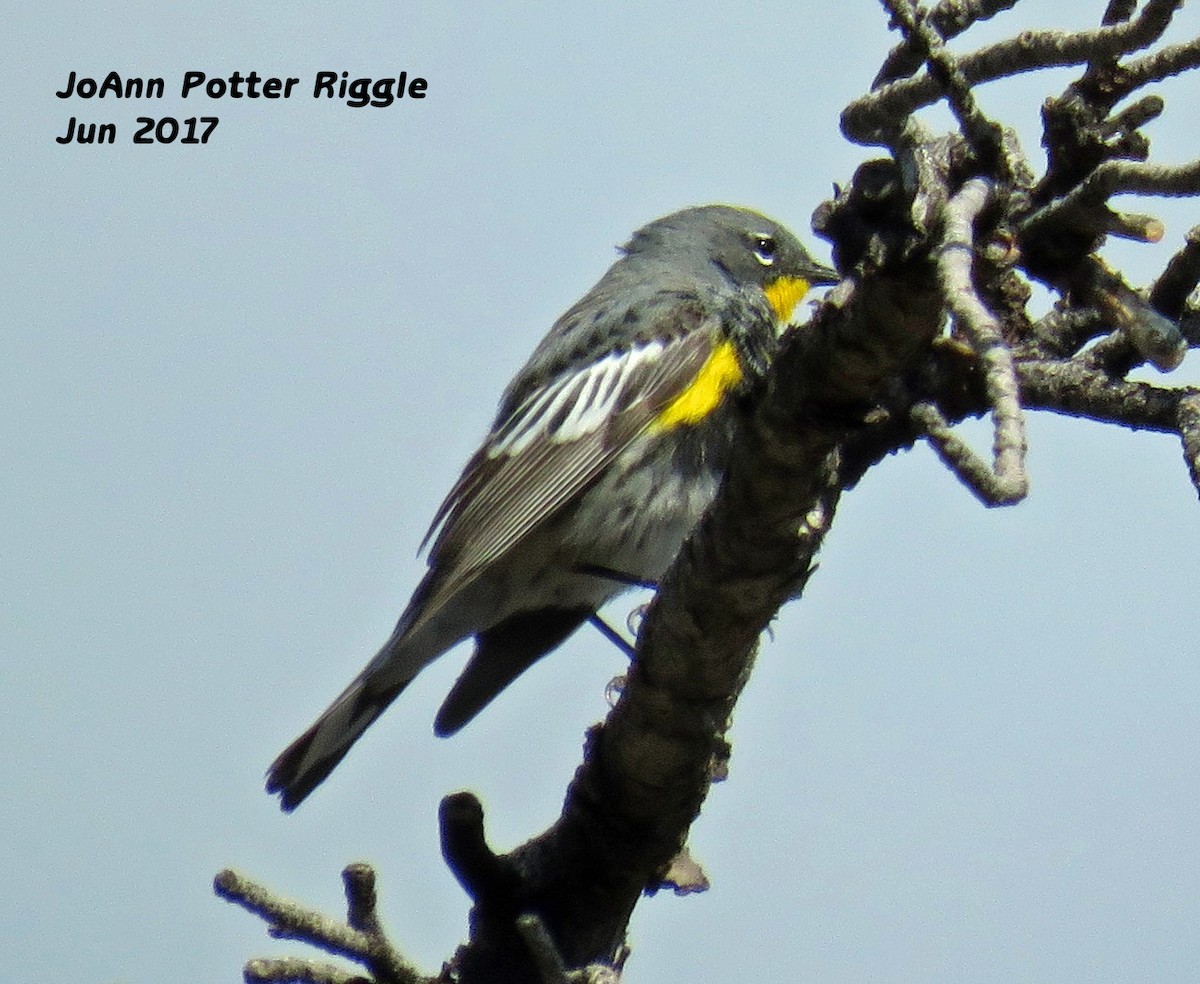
(305, 763)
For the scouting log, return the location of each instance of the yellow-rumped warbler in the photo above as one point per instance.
(607, 449)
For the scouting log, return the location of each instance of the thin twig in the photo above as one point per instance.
(866, 119)
(1175, 284)
(1162, 64)
(1006, 480)
(292, 970)
(1188, 422)
(1063, 331)
(1109, 179)
(982, 134)
(1145, 110)
(950, 19)
(1077, 390)
(290, 920)
(1141, 334)
(1125, 178)
(545, 955)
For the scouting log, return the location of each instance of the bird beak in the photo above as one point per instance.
(820, 275)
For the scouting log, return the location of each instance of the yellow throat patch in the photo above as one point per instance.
(720, 373)
(784, 294)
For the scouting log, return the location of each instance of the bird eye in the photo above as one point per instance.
(764, 249)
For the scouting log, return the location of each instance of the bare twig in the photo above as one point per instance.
(982, 134)
(1188, 422)
(1077, 390)
(548, 961)
(1122, 178)
(290, 970)
(1145, 110)
(1118, 11)
(867, 119)
(1171, 290)
(1062, 332)
(1141, 333)
(1162, 64)
(546, 958)
(1133, 225)
(949, 18)
(290, 920)
(1006, 480)
(483, 875)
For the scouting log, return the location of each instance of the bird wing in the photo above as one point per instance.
(559, 439)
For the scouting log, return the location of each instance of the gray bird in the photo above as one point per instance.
(607, 449)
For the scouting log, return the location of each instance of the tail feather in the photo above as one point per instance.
(503, 653)
(306, 762)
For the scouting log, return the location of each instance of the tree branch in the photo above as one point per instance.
(950, 19)
(1006, 481)
(866, 119)
(360, 939)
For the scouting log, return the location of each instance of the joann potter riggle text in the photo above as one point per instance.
(355, 92)
(359, 92)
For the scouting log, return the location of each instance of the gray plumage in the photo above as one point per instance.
(579, 474)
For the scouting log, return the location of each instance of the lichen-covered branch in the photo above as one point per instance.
(1006, 481)
(983, 136)
(1187, 421)
(950, 19)
(360, 938)
(649, 766)
(865, 119)
(1162, 64)
(1109, 179)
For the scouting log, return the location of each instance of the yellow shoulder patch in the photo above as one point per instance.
(720, 373)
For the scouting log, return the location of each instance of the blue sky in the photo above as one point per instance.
(237, 379)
